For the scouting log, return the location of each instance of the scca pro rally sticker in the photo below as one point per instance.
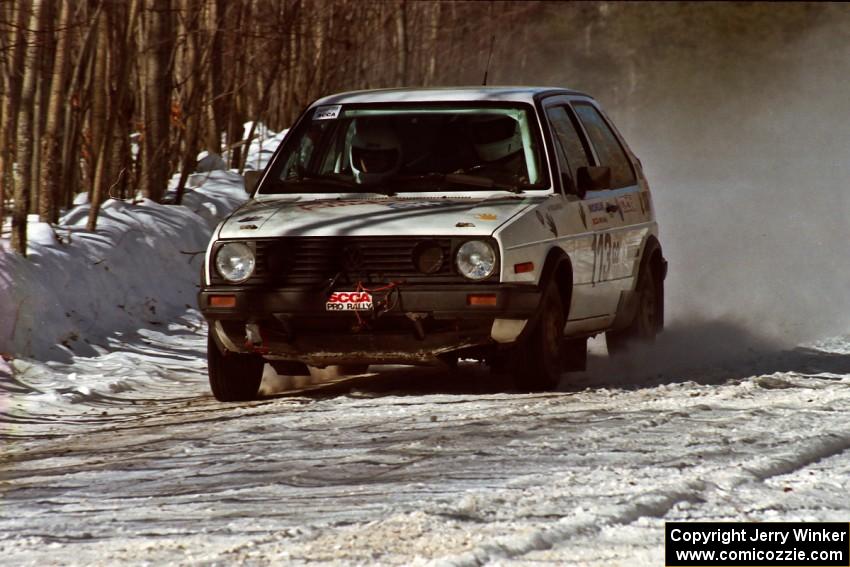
(327, 112)
(349, 301)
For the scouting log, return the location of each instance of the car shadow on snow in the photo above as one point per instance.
(469, 378)
(703, 352)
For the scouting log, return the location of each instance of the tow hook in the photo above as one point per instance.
(252, 335)
(416, 319)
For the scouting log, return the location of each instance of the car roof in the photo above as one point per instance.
(444, 94)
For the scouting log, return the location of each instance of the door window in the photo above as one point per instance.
(572, 154)
(608, 148)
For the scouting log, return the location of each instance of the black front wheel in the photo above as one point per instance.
(537, 362)
(234, 377)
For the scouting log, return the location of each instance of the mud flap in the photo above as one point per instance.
(626, 310)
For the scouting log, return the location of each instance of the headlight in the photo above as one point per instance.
(235, 262)
(476, 260)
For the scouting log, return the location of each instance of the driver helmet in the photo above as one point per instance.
(375, 153)
(495, 137)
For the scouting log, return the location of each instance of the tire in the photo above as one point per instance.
(233, 377)
(537, 363)
(648, 317)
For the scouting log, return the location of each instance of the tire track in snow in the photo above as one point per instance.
(650, 504)
(655, 504)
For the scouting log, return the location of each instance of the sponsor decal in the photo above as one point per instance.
(550, 224)
(596, 207)
(486, 216)
(627, 203)
(327, 112)
(349, 301)
(248, 227)
(645, 203)
(608, 251)
(547, 221)
(599, 220)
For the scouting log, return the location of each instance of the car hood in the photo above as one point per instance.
(376, 216)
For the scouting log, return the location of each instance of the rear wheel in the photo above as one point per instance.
(647, 322)
(234, 377)
(536, 364)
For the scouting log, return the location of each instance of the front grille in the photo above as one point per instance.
(307, 261)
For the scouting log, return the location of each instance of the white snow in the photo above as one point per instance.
(140, 268)
(413, 467)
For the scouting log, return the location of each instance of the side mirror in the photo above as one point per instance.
(252, 177)
(593, 178)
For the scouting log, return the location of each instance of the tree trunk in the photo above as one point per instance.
(215, 114)
(157, 107)
(9, 106)
(99, 115)
(25, 139)
(193, 89)
(434, 30)
(232, 103)
(71, 129)
(111, 166)
(46, 53)
(51, 166)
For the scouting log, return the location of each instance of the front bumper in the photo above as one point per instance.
(421, 325)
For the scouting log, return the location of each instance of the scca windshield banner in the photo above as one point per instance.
(762, 544)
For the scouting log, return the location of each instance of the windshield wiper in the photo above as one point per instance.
(324, 178)
(463, 179)
(479, 181)
(325, 181)
(335, 180)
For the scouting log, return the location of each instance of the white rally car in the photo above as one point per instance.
(417, 226)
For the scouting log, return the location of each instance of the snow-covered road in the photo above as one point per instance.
(414, 466)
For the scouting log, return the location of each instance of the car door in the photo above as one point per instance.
(618, 212)
(579, 234)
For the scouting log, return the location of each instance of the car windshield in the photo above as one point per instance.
(392, 149)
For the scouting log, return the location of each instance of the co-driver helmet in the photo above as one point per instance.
(495, 137)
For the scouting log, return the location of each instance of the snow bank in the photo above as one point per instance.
(139, 269)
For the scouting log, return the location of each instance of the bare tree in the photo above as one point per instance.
(119, 72)
(157, 98)
(115, 32)
(25, 131)
(51, 143)
(12, 69)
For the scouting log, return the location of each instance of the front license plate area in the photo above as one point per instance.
(349, 301)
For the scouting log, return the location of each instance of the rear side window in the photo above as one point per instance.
(571, 146)
(607, 146)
